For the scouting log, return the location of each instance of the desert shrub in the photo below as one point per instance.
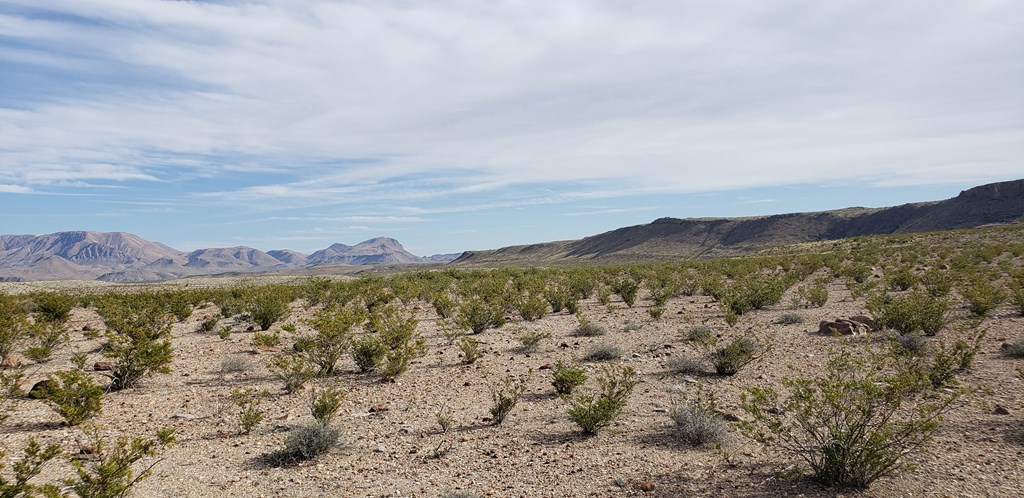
(368, 352)
(505, 396)
(604, 295)
(1014, 349)
(910, 344)
(589, 329)
(686, 365)
(911, 312)
(852, 425)
(791, 319)
(531, 307)
(249, 413)
(632, 326)
(814, 296)
(982, 296)
(79, 360)
(697, 421)
(34, 456)
(44, 337)
(74, 396)
(139, 342)
(946, 360)
(325, 403)
(751, 293)
(470, 349)
(179, 307)
(603, 352)
(531, 340)
(268, 304)
(936, 282)
(293, 370)
(596, 410)
(397, 333)
(478, 315)
(12, 325)
(627, 288)
(701, 335)
(111, 473)
(900, 278)
(224, 332)
(54, 306)
(736, 354)
(443, 304)
(559, 297)
(235, 364)
(332, 337)
(208, 324)
(565, 378)
(270, 339)
(656, 311)
(1017, 295)
(290, 328)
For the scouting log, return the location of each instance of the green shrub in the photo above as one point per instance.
(701, 335)
(111, 473)
(34, 456)
(270, 339)
(594, 411)
(911, 312)
(139, 343)
(854, 424)
(12, 325)
(266, 305)
(656, 311)
(470, 349)
(697, 421)
(900, 278)
(603, 352)
(291, 369)
(982, 296)
(738, 353)
(44, 337)
(565, 378)
(53, 306)
(249, 413)
(1017, 296)
(74, 396)
(398, 335)
(224, 332)
(368, 352)
(208, 325)
(531, 307)
(332, 338)
(531, 340)
(305, 442)
(815, 296)
(505, 396)
(936, 282)
(627, 288)
(325, 403)
(478, 315)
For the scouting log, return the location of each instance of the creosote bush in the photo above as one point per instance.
(45, 337)
(531, 340)
(505, 395)
(249, 413)
(982, 296)
(736, 354)
(293, 370)
(74, 396)
(111, 473)
(332, 338)
(566, 378)
(911, 312)
(34, 456)
(470, 348)
(139, 341)
(268, 304)
(54, 306)
(597, 410)
(325, 403)
(852, 425)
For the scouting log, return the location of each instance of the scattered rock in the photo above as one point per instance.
(9, 362)
(645, 486)
(267, 349)
(546, 366)
(660, 410)
(867, 321)
(843, 327)
(103, 366)
(620, 482)
(251, 328)
(185, 416)
(379, 408)
(1000, 410)
(86, 328)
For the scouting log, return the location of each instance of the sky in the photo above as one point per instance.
(454, 125)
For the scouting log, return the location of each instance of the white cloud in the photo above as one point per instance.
(470, 97)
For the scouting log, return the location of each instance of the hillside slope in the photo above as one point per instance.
(673, 238)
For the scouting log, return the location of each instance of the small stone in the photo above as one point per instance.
(9, 362)
(185, 416)
(660, 410)
(102, 366)
(379, 408)
(646, 486)
(546, 366)
(620, 482)
(1000, 410)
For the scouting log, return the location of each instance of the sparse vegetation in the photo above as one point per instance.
(73, 395)
(249, 413)
(505, 395)
(697, 421)
(531, 340)
(603, 352)
(566, 378)
(597, 410)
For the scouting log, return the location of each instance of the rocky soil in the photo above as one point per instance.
(392, 445)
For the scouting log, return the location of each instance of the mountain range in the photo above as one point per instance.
(124, 257)
(674, 238)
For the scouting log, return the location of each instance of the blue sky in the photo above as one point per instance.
(454, 125)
